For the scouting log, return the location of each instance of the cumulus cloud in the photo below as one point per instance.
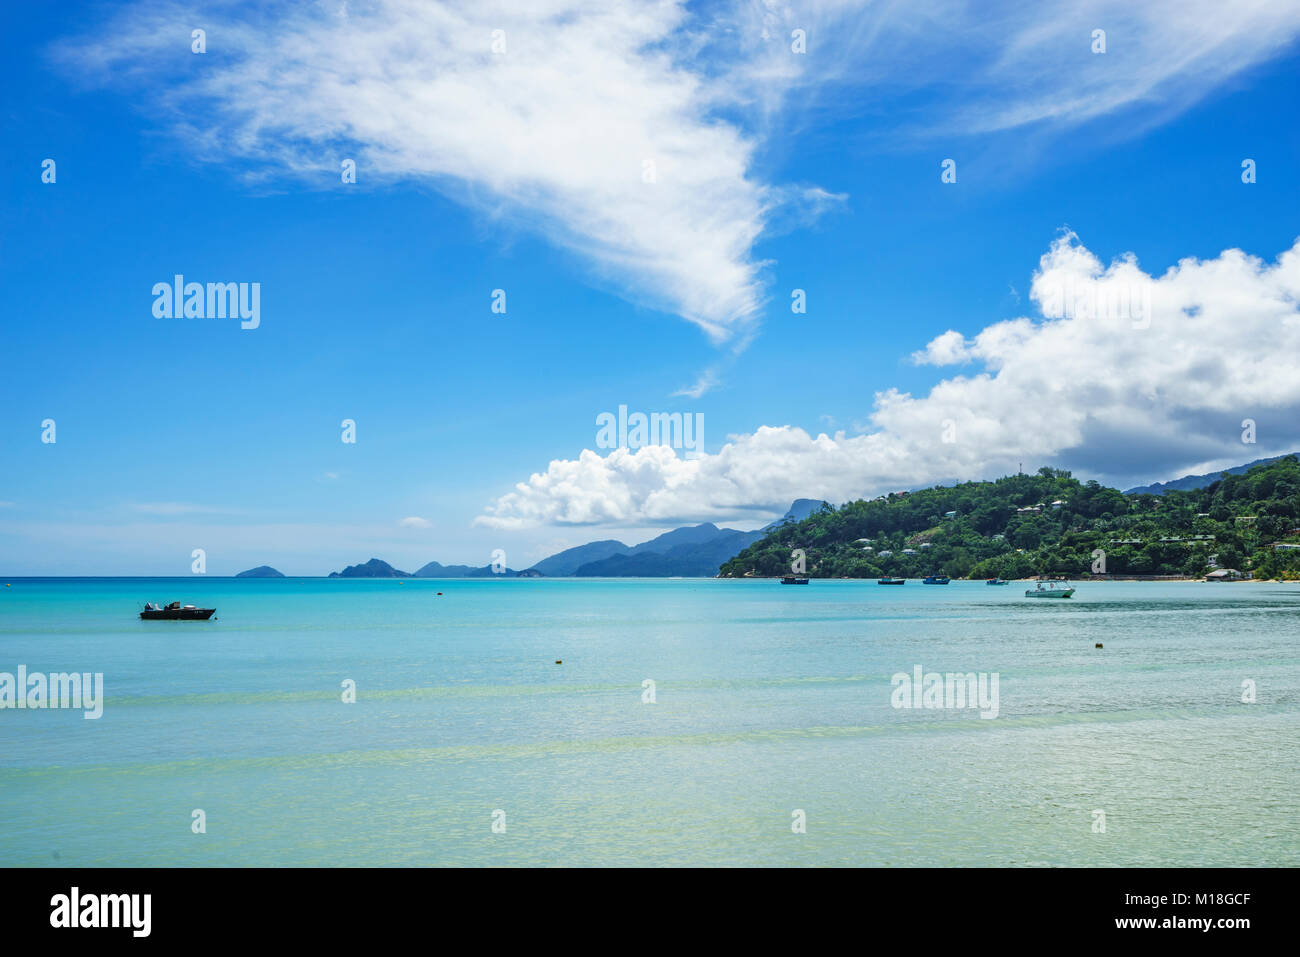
(945, 350)
(1123, 372)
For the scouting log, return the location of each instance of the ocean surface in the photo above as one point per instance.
(768, 700)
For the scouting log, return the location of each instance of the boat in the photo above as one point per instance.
(892, 581)
(1051, 591)
(935, 580)
(176, 612)
(997, 581)
(791, 580)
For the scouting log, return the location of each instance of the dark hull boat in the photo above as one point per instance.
(891, 581)
(791, 580)
(935, 580)
(176, 612)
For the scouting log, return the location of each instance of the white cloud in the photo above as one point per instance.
(1007, 66)
(944, 350)
(707, 380)
(555, 132)
(415, 521)
(562, 130)
(1132, 375)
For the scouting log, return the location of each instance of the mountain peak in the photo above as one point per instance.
(371, 569)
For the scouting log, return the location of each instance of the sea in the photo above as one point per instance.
(654, 722)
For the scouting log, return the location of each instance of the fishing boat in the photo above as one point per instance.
(891, 581)
(791, 580)
(175, 612)
(1050, 591)
(997, 581)
(935, 580)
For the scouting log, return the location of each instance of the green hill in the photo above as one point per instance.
(1047, 523)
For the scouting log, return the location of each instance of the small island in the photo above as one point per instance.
(371, 569)
(261, 571)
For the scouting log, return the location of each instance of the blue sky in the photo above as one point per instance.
(775, 171)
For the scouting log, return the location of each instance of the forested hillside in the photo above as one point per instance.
(1047, 523)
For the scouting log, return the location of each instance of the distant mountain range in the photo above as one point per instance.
(692, 551)
(380, 569)
(1190, 482)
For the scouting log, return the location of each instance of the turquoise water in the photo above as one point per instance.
(769, 699)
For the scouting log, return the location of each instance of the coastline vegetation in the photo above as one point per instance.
(1048, 523)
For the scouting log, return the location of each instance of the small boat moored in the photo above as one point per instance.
(997, 581)
(935, 580)
(791, 580)
(175, 612)
(1051, 591)
(891, 581)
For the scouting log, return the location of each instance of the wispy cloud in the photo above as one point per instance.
(415, 521)
(707, 380)
(582, 120)
(628, 131)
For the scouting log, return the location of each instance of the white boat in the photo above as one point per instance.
(1050, 591)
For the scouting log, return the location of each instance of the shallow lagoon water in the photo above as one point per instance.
(768, 699)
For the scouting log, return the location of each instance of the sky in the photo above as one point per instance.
(865, 246)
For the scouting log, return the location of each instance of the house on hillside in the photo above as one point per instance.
(1226, 575)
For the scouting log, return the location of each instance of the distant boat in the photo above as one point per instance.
(791, 580)
(1051, 591)
(892, 581)
(176, 612)
(997, 581)
(935, 580)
